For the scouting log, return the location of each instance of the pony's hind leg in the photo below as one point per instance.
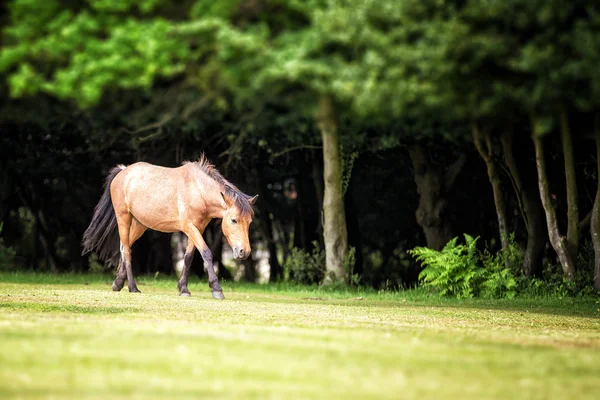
(136, 230)
(187, 262)
(125, 222)
(121, 275)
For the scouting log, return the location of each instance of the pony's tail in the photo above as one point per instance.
(102, 236)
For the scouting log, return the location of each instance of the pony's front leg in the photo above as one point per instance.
(213, 281)
(194, 234)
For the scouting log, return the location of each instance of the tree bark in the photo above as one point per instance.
(595, 219)
(433, 186)
(531, 210)
(559, 242)
(178, 244)
(43, 231)
(249, 270)
(216, 248)
(159, 253)
(571, 185)
(482, 139)
(585, 222)
(275, 268)
(317, 178)
(354, 233)
(334, 227)
(266, 225)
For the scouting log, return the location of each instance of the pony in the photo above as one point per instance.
(185, 199)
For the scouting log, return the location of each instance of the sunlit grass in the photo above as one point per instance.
(70, 336)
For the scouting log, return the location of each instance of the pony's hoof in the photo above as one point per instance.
(134, 290)
(116, 288)
(185, 294)
(218, 294)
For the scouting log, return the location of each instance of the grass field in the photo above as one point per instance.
(70, 336)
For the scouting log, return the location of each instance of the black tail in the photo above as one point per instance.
(102, 236)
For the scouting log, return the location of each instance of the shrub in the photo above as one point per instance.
(553, 283)
(304, 267)
(7, 255)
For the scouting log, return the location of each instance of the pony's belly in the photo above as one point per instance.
(157, 221)
(166, 228)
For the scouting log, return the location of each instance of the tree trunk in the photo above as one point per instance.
(5, 191)
(433, 186)
(317, 178)
(275, 268)
(45, 238)
(354, 233)
(571, 185)
(334, 227)
(482, 139)
(249, 270)
(43, 231)
(595, 219)
(216, 248)
(266, 225)
(559, 243)
(159, 253)
(531, 210)
(178, 245)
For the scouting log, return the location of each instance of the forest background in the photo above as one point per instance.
(368, 128)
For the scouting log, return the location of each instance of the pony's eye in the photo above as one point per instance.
(234, 221)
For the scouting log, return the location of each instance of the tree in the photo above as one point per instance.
(515, 59)
(390, 72)
(586, 44)
(286, 59)
(334, 226)
(83, 53)
(549, 60)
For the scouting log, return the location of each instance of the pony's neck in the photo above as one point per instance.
(213, 202)
(215, 209)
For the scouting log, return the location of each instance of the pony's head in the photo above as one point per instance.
(236, 223)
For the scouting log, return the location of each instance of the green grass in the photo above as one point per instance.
(70, 336)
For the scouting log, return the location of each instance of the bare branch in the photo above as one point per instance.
(290, 149)
(197, 106)
(585, 222)
(154, 125)
(454, 171)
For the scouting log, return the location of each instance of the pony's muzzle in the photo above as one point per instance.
(240, 254)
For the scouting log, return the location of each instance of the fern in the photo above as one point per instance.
(460, 270)
(498, 279)
(453, 271)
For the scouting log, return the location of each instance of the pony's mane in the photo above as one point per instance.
(240, 198)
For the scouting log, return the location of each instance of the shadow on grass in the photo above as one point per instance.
(571, 307)
(355, 297)
(41, 278)
(69, 308)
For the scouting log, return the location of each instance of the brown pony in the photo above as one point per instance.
(145, 196)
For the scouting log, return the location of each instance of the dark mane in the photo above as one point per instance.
(240, 198)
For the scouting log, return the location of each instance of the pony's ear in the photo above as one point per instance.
(227, 200)
(253, 200)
